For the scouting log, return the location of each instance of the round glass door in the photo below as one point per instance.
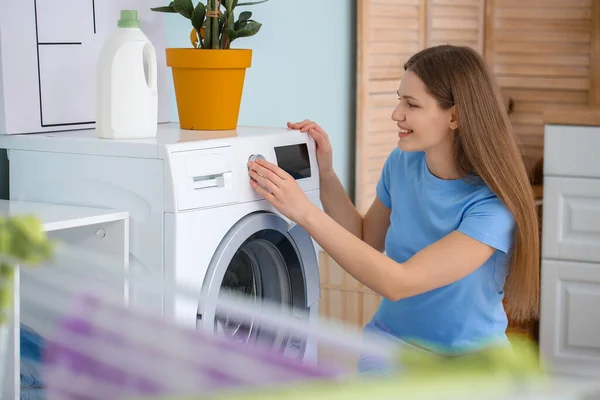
(264, 262)
(257, 271)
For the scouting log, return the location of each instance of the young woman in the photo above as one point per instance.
(454, 212)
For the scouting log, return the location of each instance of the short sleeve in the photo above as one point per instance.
(383, 185)
(489, 222)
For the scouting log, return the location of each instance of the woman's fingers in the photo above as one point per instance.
(313, 129)
(264, 181)
(298, 125)
(269, 171)
(262, 191)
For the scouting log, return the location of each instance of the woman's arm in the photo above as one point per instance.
(338, 205)
(443, 262)
(371, 228)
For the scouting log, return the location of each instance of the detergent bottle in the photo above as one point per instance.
(127, 95)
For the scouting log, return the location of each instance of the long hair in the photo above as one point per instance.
(486, 146)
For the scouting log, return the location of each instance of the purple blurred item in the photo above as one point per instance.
(102, 351)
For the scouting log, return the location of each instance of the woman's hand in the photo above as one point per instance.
(324, 152)
(280, 189)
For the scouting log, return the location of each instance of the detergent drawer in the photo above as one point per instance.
(204, 178)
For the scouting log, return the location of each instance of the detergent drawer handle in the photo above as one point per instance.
(210, 181)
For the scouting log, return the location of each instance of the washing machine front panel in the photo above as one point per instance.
(265, 261)
(217, 175)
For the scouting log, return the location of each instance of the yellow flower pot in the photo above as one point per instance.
(208, 86)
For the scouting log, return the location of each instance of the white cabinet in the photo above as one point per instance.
(78, 227)
(570, 282)
(571, 228)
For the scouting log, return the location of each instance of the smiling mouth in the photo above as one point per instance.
(404, 132)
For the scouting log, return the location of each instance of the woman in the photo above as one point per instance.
(454, 212)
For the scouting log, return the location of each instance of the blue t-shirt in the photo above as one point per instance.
(465, 314)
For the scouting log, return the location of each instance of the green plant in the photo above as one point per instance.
(214, 24)
(22, 240)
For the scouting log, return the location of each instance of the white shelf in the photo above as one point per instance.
(56, 217)
(65, 221)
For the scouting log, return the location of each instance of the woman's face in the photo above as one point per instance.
(422, 124)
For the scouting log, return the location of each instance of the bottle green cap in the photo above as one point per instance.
(128, 19)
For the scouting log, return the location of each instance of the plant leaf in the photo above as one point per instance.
(245, 16)
(198, 16)
(239, 25)
(231, 34)
(184, 7)
(251, 29)
(251, 3)
(165, 9)
(228, 4)
(222, 21)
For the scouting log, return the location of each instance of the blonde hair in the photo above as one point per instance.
(486, 146)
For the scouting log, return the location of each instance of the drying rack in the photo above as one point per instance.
(97, 346)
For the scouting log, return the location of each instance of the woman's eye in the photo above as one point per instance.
(410, 105)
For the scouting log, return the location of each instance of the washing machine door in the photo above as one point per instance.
(265, 260)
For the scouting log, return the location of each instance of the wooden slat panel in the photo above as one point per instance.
(394, 35)
(395, 2)
(386, 73)
(594, 95)
(532, 141)
(382, 125)
(531, 130)
(541, 36)
(541, 70)
(454, 23)
(543, 4)
(582, 60)
(381, 113)
(383, 86)
(537, 107)
(453, 36)
(508, 24)
(545, 48)
(386, 60)
(398, 10)
(544, 95)
(538, 82)
(473, 3)
(527, 118)
(388, 101)
(455, 11)
(540, 53)
(401, 50)
(531, 14)
(385, 22)
(384, 137)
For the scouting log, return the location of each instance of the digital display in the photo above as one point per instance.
(294, 160)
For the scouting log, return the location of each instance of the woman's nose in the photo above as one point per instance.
(398, 114)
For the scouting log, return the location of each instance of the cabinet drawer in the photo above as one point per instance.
(572, 151)
(571, 219)
(570, 317)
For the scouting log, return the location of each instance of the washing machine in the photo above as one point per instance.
(194, 218)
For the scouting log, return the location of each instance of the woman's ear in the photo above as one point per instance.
(453, 118)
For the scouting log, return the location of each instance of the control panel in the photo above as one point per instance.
(293, 159)
(219, 175)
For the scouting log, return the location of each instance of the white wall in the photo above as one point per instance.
(303, 67)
